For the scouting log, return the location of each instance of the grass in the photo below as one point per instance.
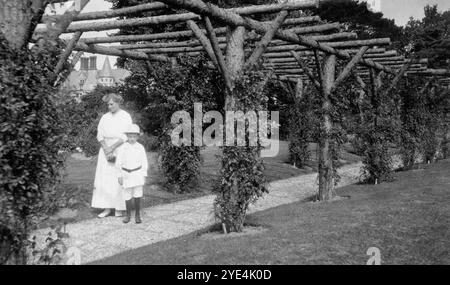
(80, 178)
(408, 220)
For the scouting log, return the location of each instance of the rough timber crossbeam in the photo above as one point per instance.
(234, 20)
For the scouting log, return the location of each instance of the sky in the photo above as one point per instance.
(402, 10)
(399, 10)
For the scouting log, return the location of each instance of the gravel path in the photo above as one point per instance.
(99, 238)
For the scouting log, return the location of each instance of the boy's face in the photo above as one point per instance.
(132, 138)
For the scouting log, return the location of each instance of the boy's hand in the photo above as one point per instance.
(120, 180)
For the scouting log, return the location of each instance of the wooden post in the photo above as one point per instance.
(326, 181)
(319, 66)
(375, 84)
(299, 89)
(235, 59)
(362, 94)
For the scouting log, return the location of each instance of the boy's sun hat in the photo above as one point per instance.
(133, 129)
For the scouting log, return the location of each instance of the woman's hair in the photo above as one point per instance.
(113, 96)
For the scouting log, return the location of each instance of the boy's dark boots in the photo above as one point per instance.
(137, 205)
(127, 218)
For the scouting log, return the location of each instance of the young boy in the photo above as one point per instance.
(132, 165)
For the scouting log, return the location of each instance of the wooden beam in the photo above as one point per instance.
(188, 33)
(121, 53)
(176, 18)
(398, 77)
(204, 42)
(262, 45)
(195, 43)
(305, 68)
(218, 52)
(288, 57)
(425, 87)
(348, 68)
(190, 46)
(234, 19)
(67, 52)
(116, 12)
(344, 44)
(61, 25)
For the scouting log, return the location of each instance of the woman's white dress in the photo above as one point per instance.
(107, 190)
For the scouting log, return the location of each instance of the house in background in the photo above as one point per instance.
(88, 76)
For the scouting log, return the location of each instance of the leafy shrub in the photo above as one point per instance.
(181, 166)
(302, 125)
(377, 130)
(150, 142)
(32, 138)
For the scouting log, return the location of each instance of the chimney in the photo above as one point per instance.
(93, 63)
(84, 63)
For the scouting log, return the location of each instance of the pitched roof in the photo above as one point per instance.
(106, 69)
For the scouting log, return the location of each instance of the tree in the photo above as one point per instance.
(32, 130)
(357, 18)
(430, 37)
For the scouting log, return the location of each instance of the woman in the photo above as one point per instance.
(111, 135)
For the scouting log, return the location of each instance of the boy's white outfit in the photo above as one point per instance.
(132, 164)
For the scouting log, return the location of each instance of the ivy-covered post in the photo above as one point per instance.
(228, 206)
(326, 181)
(241, 180)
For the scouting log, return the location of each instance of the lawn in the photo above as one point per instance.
(77, 186)
(408, 220)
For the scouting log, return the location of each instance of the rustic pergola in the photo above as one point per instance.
(291, 49)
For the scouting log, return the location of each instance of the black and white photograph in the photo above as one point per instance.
(222, 138)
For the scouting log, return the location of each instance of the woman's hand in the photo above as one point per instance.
(108, 151)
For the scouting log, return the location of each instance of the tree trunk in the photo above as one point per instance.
(326, 183)
(18, 19)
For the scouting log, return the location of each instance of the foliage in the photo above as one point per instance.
(357, 18)
(430, 37)
(423, 121)
(150, 143)
(32, 137)
(181, 165)
(154, 92)
(241, 180)
(53, 250)
(377, 131)
(302, 126)
(86, 117)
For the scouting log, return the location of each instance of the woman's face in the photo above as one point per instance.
(113, 106)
